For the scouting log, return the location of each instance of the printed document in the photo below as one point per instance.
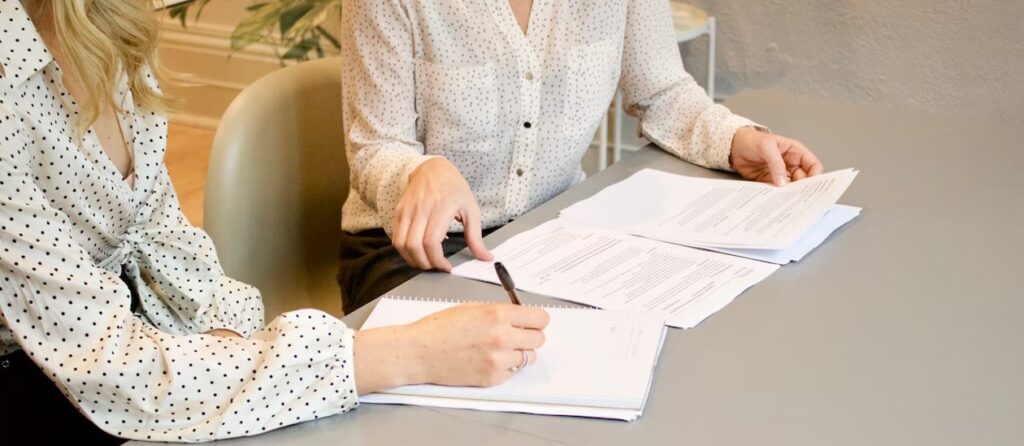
(834, 219)
(712, 212)
(611, 270)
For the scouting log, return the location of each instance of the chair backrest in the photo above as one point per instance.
(277, 179)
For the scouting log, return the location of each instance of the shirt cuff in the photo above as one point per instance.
(719, 158)
(212, 322)
(239, 308)
(233, 331)
(342, 374)
(413, 163)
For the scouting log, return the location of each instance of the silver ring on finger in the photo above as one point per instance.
(526, 361)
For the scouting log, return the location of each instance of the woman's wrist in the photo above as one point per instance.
(430, 166)
(745, 138)
(388, 357)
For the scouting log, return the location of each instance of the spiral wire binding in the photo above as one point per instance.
(455, 301)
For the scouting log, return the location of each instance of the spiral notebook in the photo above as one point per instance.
(596, 364)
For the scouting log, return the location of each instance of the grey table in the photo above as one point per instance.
(904, 328)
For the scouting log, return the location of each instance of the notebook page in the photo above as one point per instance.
(502, 406)
(590, 358)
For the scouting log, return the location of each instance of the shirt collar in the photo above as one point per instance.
(22, 50)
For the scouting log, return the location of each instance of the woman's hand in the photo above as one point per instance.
(467, 345)
(768, 158)
(437, 194)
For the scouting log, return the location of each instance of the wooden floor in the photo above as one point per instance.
(188, 155)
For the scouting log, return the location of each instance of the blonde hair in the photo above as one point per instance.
(102, 37)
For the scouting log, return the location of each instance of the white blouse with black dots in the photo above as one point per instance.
(70, 226)
(513, 112)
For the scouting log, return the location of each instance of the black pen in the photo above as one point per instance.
(507, 283)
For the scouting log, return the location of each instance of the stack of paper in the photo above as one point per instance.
(609, 251)
(615, 271)
(593, 364)
(749, 219)
(834, 219)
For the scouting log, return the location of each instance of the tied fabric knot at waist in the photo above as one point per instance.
(130, 242)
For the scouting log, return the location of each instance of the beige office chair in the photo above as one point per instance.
(277, 179)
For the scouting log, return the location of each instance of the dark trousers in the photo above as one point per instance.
(371, 266)
(33, 411)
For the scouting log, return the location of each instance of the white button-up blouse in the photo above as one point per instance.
(513, 112)
(71, 227)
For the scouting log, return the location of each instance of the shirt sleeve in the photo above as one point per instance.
(379, 97)
(187, 291)
(674, 111)
(130, 378)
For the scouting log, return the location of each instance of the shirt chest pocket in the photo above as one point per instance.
(592, 76)
(457, 106)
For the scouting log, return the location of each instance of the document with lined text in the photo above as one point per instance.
(717, 213)
(611, 270)
(834, 219)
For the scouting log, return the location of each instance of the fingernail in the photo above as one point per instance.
(781, 180)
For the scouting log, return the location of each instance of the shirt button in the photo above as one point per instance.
(529, 76)
(527, 124)
(519, 172)
(5, 364)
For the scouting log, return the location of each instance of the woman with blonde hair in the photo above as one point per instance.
(117, 320)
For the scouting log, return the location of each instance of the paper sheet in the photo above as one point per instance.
(834, 219)
(712, 212)
(503, 406)
(593, 364)
(611, 270)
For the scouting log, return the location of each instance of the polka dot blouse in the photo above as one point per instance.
(71, 227)
(514, 112)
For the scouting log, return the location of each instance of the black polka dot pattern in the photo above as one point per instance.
(514, 112)
(70, 226)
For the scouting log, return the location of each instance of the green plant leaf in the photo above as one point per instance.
(179, 12)
(301, 50)
(291, 16)
(334, 41)
(292, 25)
(257, 26)
(200, 6)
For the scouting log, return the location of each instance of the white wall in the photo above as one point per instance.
(946, 56)
(949, 57)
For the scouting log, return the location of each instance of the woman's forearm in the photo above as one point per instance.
(387, 357)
